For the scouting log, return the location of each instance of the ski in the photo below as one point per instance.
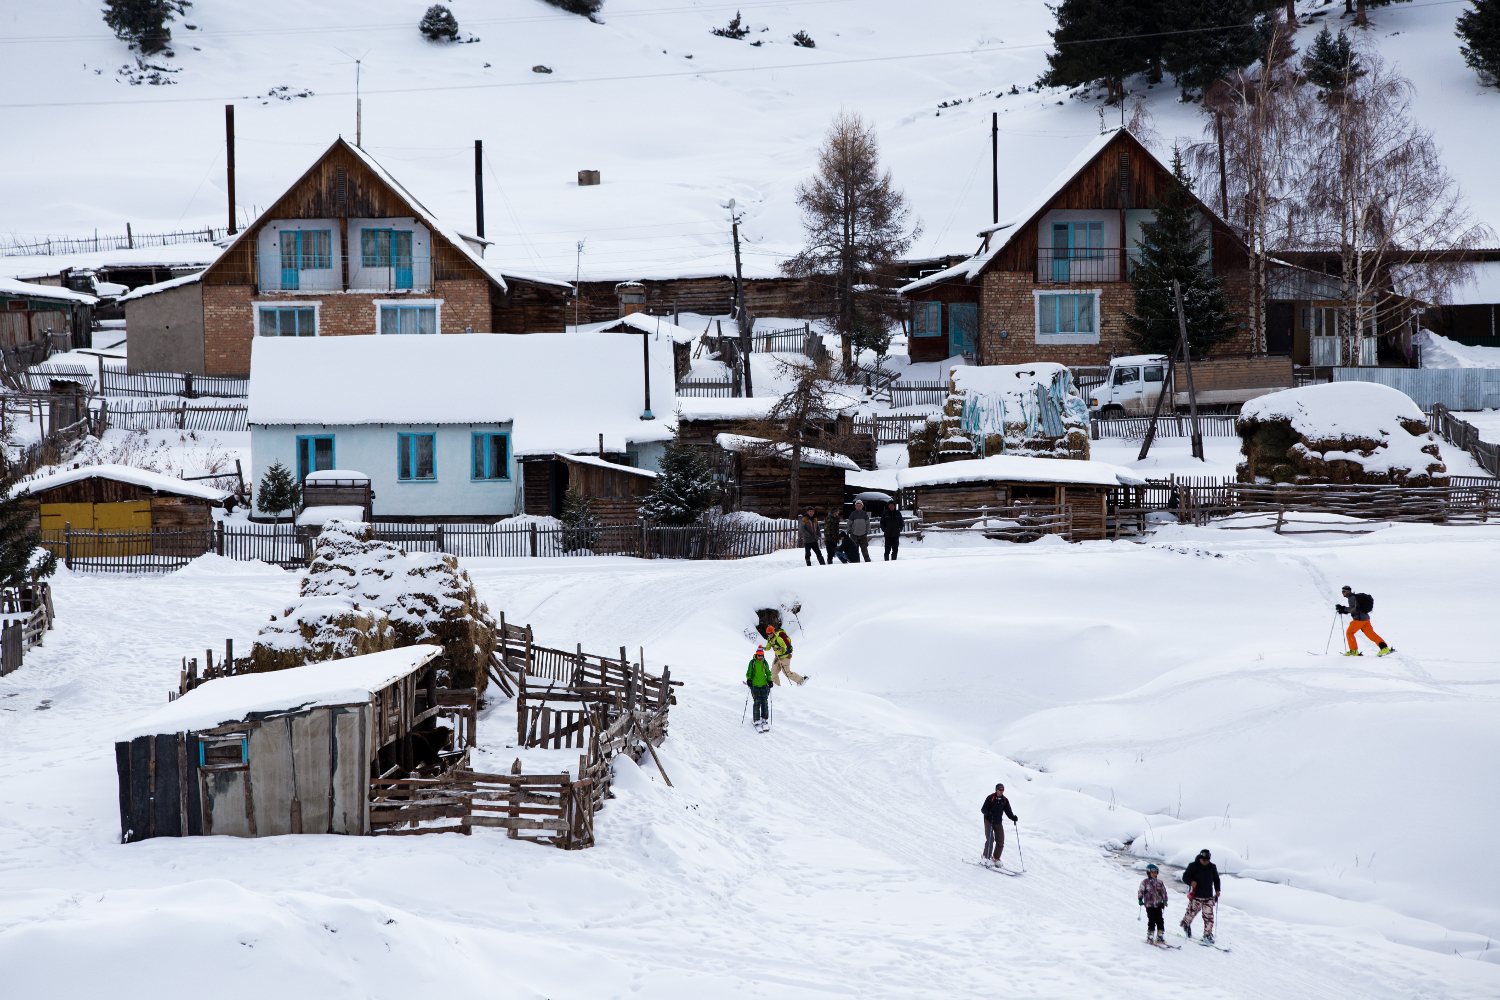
(1200, 941)
(1163, 944)
(994, 868)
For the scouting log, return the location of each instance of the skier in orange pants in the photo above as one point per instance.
(1359, 607)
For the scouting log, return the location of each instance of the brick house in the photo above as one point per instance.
(1052, 283)
(345, 250)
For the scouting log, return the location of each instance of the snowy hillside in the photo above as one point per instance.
(677, 120)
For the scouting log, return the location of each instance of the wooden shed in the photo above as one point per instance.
(956, 490)
(761, 482)
(288, 751)
(616, 489)
(119, 499)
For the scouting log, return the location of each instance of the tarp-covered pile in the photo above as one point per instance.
(1029, 410)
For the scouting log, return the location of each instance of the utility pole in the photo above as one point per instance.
(229, 143)
(1223, 177)
(995, 165)
(577, 279)
(1187, 363)
(479, 189)
(646, 414)
(740, 313)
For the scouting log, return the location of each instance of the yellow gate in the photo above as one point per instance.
(131, 517)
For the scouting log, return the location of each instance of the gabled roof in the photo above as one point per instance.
(810, 456)
(124, 474)
(57, 293)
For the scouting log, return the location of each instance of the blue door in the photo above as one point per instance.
(963, 327)
(401, 258)
(289, 276)
(1060, 245)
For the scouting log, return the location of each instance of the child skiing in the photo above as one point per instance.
(1202, 877)
(1358, 609)
(758, 677)
(1153, 896)
(996, 807)
(781, 646)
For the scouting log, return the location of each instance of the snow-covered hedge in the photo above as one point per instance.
(1341, 432)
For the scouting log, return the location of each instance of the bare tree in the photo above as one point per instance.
(804, 413)
(856, 222)
(1377, 193)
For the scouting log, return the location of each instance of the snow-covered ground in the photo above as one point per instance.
(1440, 352)
(1351, 796)
(1487, 422)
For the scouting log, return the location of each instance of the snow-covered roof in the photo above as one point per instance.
(725, 408)
(653, 324)
(174, 255)
(810, 456)
(1020, 469)
(10, 286)
(125, 474)
(1009, 379)
(233, 699)
(1138, 359)
(161, 286)
(605, 464)
(1480, 288)
(329, 475)
(560, 392)
(329, 512)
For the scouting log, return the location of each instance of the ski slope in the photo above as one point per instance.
(1172, 694)
(677, 121)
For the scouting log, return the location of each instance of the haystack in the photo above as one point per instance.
(1030, 410)
(320, 628)
(1342, 432)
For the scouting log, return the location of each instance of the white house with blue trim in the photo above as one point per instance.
(439, 424)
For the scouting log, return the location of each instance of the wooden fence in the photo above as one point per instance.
(918, 394)
(172, 416)
(889, 430)
(791, 340)
(1168, 425)
(1314, 508)
(1016, 523)
(706, 389)
(27, 614)
(50, 450)
(544, 808)
(1466, 436)
(118, 382)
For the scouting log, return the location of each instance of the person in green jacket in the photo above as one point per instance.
(758, 677)
(831, 533)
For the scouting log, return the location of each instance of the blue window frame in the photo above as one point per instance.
(388, 248)
(491, 457)
(408, 319)
(300, 321)
(1072, 314)
(314, 454)
(304, 250)
(416, 457)
(1076, 241)
(926, 319)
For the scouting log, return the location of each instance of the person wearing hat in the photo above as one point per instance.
(1358, 609)
(996, 807)
(781, 647)
(1202, 878)
(891, 524)
(1153, 896)
(758, 677)
(807, 534)
(859, 530)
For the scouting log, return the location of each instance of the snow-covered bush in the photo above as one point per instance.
(439, 24)
(805, 40)
(320, 628)
(736, 29)
(1342, 432)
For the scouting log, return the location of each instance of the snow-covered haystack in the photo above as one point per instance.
(1031, 410)
(424, 596)
(320, 628)
(1341, 432)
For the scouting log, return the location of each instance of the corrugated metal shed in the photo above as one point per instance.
(1455, 388)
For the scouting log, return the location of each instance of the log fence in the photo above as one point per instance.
(26, 614)
(1012, 523)
(905, 394)
(1465, 435)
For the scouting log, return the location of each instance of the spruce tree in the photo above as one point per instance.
(1331, 64)
(1480, 30)
(278, 491)
(1082, 59)
(19, 540)
(580, 523)
(143, 23)
(685, 487)
(439, 24)
(1216, 40)
(1175, 245)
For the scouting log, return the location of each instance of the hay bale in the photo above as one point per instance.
(922, 445)
(1031, 410)
(1342, 432)
(317, 629)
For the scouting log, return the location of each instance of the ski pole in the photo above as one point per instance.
(745, 709)
(1019, 852)
(1337, 620)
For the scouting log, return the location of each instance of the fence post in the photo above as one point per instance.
(643, 536)
(437, 532)
(68, 544)
(187, 385)
(531, 532)
(219, 537)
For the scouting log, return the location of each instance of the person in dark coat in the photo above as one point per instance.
(859, 528)
(848, 548)
(831, 533)
(996, 807)
(1202, 878)
(891, 522)
(807, 534)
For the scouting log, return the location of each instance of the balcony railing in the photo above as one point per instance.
(1080, 265)
(398, 274)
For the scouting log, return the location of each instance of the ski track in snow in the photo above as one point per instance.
(822, 859)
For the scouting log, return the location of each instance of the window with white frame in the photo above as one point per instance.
(286, 321)
(1071, 318)
(408, 319)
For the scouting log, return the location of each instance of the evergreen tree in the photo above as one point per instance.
(587, 8)
(1331, 64)
(18, 540)
(439, 24)
(580, 523)
(1175, 245)
(735, 29)
(143, 23)
(278, 491)
(685, 487)
(1480, 30)
(1359, 16)
(1217, 39)
(1081, 58)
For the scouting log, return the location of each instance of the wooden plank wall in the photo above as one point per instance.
(93, 490)
(1237, 373)
(765, 487)
(174, 513)
(536, 483)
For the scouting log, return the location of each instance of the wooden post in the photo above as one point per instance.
(219, 537)
(68, 544)
(515, 801)
(229, 654)
(229, 141)
(532, 533)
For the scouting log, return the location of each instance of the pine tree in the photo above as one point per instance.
(1081, 59)
(587, 8)
(1218, 38)
(278, 491)
(1331, 64)
(685, 487)
(1480, 30)
(19, 540)
(1359, 17)
(439, 24)
(735, 29)
(580, 523)
(1175, 245)
(143, 23)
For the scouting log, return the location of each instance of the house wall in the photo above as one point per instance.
(166, 332)
(372, 449)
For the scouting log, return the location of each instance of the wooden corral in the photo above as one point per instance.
(958, 501)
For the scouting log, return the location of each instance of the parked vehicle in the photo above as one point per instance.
(1222, 385)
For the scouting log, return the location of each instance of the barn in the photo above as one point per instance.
(615, 489)
(288, 751)
(120, 499)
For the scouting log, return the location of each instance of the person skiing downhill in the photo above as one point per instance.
(1202, 877)
(758, 677)
(996, 807)
(1153, 896)
(1358, 609)
(781, 646)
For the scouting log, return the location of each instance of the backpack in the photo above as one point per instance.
(1364, 602)
(781, 634)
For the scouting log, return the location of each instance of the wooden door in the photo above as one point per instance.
(56, 515)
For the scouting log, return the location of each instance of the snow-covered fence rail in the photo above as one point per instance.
(1169, 425)
(918, 394)
(172, 416)
(118, 382)
(552, 805)
(1305, 508)
(1466, 436)
(1012, 523)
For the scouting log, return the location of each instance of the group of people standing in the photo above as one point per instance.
(849, 542)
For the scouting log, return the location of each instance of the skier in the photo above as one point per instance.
(859, 528)
(758, 678)
(1358, 609)
(891, 523)
(831, 533)
(1202, 878)
(996, 807)
(781, 646)
(807, 531)
(1153, 896)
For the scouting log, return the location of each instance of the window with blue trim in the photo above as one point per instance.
(491, 457)
(1065, 314)
(314, 454)
(301, 321)
(416, 457)
(304, 250)
(408, 319)
(926, 319)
